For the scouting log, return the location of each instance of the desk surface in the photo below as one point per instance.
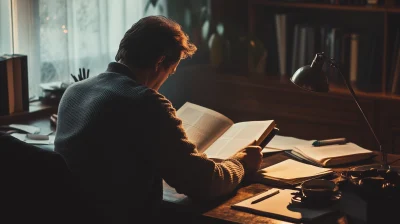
(220, 210)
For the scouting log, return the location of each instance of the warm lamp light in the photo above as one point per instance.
(312, 78)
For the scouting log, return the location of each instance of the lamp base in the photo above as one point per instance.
(360, 210)
(369, 193)
(373, 181)
(377, 166)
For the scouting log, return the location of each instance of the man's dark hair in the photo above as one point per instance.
(152, 37)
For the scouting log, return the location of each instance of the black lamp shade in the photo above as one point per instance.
(311, 77)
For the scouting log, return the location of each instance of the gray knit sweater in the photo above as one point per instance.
(121, 139)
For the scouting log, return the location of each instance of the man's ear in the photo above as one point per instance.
(159, 62)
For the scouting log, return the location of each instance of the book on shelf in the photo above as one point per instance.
(218, 136)
(331, 155)
(395, 65)
(292, 43)
(289, 173)
(14, 96)
(280, 20)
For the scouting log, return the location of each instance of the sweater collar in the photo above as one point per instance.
(117, 67)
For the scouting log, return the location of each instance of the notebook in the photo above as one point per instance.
(24, 138)
(282, 143)
(289, 173)
(279, 206)
(332, 155)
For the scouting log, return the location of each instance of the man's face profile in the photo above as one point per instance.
(163, 73)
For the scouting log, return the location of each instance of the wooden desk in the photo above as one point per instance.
(221, 212)
(181, 208)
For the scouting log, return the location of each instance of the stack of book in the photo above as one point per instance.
(14, 90)
(309, 161)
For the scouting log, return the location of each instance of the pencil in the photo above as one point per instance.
(265, 197)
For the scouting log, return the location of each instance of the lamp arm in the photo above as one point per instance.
(353, 94)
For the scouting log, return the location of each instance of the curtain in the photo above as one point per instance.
(61, 36)
(5, 27)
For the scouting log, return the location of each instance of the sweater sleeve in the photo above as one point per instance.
(182, 166)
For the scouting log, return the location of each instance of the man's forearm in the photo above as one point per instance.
(228, 175)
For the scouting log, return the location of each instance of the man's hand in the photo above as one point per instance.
(53, 119)
(251, 158)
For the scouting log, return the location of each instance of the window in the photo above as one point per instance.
(5, 27)
(61, 36)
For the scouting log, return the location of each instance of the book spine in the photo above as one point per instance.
(17, 84)
(302, 46)
(396, 74)
(345, 55)
(295, 47)
(310, 44)
(4, 107)
(10, 86)
(283, 44)
(353, 58)
(278, 25)
(21, 81)
(24, 82)
(394, 61)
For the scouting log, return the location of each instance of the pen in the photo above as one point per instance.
(330, 142)
(265, 197)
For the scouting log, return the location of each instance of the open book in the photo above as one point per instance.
(289, 173)
(331, 155)
(218, 136)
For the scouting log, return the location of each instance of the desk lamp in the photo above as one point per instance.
(312, 78)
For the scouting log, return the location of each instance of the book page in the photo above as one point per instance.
(286, 142)
(279, 143)
(322, 153)
(291, 169)
(202, 125)
(237, 137)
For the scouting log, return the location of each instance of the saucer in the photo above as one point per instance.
(301, 200)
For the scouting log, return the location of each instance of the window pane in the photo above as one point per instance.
(65, 35)
(82, 33)
(5, 27)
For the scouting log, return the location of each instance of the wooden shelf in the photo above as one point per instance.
(272, 81)
(283, 83)
(394, 9)
(36, 109)
(367, 8)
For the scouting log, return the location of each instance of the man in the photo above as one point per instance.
(121, 137)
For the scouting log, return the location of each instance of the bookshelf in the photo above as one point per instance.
(381, 20)
(242, 94)
(369, 8)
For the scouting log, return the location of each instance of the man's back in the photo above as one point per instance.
(101, 134)
(122, 139)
